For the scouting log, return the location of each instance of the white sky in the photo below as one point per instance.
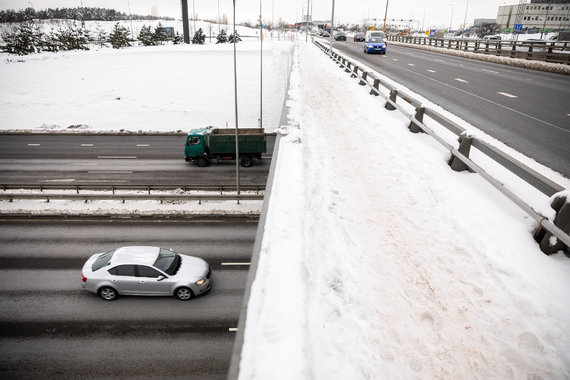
(438, 13)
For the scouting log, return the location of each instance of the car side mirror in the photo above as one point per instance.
(160, 278)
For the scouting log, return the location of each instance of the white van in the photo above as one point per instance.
(375, 33)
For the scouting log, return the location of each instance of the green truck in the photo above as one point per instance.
(205, 144)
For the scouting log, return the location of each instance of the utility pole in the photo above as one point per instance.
(465, 19)
(385, 15)
(236, 105)
(332, 26)
(185, 26)
(307, 25)
(451, 20)
(260, 68)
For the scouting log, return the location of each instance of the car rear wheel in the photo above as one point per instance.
(108, 293)
(183, 294)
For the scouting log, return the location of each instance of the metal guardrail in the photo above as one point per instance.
(556, 52)
(460, 157)
(134, 197)
(148, 188)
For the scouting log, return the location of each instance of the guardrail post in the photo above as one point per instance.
(514, 50)
(363, 79)
(549, 244)
(376, 86)
(354, 72)
(529, 52)
(464, 148)
(347, 70)
(413, 127)
(393, 94)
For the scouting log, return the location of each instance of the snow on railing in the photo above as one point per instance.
(460, 157)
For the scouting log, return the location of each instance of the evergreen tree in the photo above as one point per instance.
(119, 38)
(177, 40)
(22, 40)
(100, 36)
(73, 38)
(199, 37)
(222, 37)
(232, 37)
(160, 36)
(146, 36)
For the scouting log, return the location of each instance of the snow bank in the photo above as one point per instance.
(381, 262)
(517, 62)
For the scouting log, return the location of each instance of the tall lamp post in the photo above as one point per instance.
(451, 20)
(236, 104)
(260, 68)
(332, 26)
(465, 18)
(385, 15)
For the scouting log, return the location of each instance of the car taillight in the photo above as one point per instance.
(83, 278)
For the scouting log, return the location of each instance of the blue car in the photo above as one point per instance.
(375, 45)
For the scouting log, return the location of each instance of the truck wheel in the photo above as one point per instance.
(202, 162)
(246, 161)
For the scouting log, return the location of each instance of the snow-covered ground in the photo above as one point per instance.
(378, 261)
(394, 266)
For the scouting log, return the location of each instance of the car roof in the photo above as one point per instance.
(135, 255)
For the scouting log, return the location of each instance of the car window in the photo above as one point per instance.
(123, 270)
(168, 261)
(145, 271)
(102, 260)
(376, 39)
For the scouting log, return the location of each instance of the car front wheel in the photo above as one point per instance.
(108, 293)
(184, 294)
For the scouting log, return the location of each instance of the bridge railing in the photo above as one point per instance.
(460, 155)
(548, 51)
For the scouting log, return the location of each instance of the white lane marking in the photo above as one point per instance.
(490, 101)
(394, 59)
(240, 264)
(110, 172)
(411, 64)
(58, 180)
(86, 144)
(34, 144)
(232, 329)
(461, 80)
(108, 181)
(507, 95)
(432, 71)
(490, 71)
(117, 157)
(143, 144)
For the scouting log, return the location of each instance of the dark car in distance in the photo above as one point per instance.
(340, 36)
(359, 37)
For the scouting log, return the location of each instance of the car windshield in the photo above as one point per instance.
(102, 260)
(376, 39)
(167, 261)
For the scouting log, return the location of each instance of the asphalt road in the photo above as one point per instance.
(528, 110)
(50, 328)
(104, 159)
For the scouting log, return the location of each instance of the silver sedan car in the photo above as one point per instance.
(145, 271)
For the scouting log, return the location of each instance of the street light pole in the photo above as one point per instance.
(260, 68)
(385, 16)
(332, 26)
(451, 20)
(194, 11)
(236, 104)
(465, 19)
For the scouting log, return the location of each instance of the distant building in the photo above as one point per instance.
(484, 21)
(537, 14)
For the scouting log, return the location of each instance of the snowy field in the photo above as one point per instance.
(378, 261)
(399, 267)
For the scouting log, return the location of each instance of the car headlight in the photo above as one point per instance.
(201, 281)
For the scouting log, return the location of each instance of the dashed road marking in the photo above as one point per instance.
(507, 95)
(143, 144)
(432, 71)
(461, 80)
(34, 144)
(58, 180)
(236, 264)
(86, 144)
(110, 172)
(117, 157)
(232, 329)
(394, 59)
(490, 71)
(411, 64)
